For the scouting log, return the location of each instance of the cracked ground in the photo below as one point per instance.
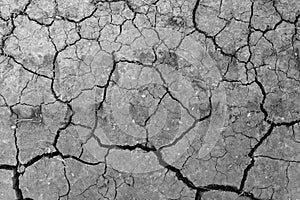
(149, 100)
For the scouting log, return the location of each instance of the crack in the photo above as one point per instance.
(7, 167)
(251, 155)
(66, 195)
(143, 147)
(212, 38)
(15, 170)
(278, 159)
(16, 184)
(200, 190)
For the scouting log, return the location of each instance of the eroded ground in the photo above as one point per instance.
(149, 100)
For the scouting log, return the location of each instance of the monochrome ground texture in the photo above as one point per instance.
(149, 100)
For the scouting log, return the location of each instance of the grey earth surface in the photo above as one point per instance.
(149, 100)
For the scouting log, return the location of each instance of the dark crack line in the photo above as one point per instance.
(200, 190)
(7, 167)
(68, 183)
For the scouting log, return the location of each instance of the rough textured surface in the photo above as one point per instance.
(149, 100)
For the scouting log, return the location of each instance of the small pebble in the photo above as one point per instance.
(13, 127)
